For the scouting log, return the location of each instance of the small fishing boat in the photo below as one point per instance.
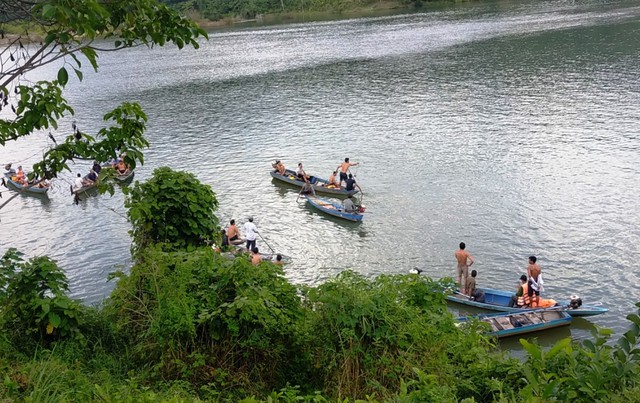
(511, 324)
(498, 300)
(84, 189)
(334, 209)
(266, 257)
(32, 189)
(319, 185)
(126, 177)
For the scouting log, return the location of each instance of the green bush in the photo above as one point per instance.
(173, 208)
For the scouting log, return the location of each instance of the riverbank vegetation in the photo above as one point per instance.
(228, 11)
(187, 323)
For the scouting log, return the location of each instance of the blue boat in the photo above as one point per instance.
(497, 300)
(33, 189)
(529, 321)
(319, 185)
(332, 208)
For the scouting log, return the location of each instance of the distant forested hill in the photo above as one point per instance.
(219, 9)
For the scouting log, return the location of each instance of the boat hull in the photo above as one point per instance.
(331, 208)
(319, 184)
(26, 189)
(515, 324)
(498, 300)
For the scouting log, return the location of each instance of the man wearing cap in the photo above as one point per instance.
(250, 231)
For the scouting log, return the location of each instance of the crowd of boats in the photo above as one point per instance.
(18, 180)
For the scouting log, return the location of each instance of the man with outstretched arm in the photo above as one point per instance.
(344, 167)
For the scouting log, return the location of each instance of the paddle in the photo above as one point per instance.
(265, 242)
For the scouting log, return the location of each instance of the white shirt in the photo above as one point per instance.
(77, 184)
(250, 231)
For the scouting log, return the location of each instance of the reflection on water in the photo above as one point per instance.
(512, 127)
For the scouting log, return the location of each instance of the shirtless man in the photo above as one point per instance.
(256, 258)
(344, 167)
(534, 287)
(333, 180)
(232, 233)
(465, 260)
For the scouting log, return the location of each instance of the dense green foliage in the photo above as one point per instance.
(187, 323)
(173, 208)
(219, 9)
(67, 32)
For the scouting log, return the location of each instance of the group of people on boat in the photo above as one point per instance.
(20, 177)
(527, 291)
(232, 237)
(339, 176)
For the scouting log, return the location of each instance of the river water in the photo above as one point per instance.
(511, 126)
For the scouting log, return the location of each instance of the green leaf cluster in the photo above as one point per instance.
(172, 208)
(33, 300)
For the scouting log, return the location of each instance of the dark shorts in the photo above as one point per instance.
(531, 291)
(343, 176)
(234, 238)
(251, 244)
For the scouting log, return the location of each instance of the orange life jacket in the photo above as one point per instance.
(524, 300)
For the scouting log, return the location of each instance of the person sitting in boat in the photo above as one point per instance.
(529, 302)
(256, 258)
(233, 233)
(90, 179)
(519, 299)
(302, 175)
(78, 183)
(333, 182)
(350, 184)
(97, 167)
(279, 167)
(122, 168)
(348, 205)
(224, 244)
(8, 171)
(475, 294)
(20, 177)
(279, 260)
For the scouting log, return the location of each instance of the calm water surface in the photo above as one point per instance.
(513, 127)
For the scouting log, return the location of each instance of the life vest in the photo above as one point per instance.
(524, 300)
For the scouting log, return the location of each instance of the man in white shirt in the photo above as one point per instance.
(78, 183)
(250, 232)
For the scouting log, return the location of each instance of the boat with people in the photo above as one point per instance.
(236, 250)
(36, 188)
(518, 323)
(499, 300)
(319, 185)
(335, 209)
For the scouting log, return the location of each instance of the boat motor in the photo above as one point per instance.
(575, 302)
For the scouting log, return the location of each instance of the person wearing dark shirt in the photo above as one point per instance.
(96, 167)
(351, 183)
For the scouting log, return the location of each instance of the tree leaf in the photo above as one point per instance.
(63, 76)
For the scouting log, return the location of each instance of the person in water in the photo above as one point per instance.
(279, 260)
(256, 258)
(344, 168)
(465, 260)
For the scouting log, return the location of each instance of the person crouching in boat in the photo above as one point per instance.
(279, 167)
(333, 181)
(122, 168)
(525, 301)
(20, 177)
(520, 298)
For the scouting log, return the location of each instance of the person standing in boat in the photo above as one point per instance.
(465, 260)
(250, 231)
(344, 168)
(535, 281)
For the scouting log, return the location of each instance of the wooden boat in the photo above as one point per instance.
(497, 300)
(334, 209)
(266, 257)
(84, 189)
(511, 324)
(29, 189)
(126, 177)
(319, 185)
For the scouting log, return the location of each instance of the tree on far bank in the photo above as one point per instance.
(73, 33)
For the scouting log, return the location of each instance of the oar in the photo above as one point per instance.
(265, 242)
